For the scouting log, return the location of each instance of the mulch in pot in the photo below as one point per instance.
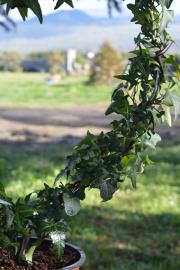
(43, 259)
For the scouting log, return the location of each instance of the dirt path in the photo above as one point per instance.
(43, 125)
(46, 124)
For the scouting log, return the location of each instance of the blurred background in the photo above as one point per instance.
(56, 81)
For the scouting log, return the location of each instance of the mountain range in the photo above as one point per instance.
(75, 29)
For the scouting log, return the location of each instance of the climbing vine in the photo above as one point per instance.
(142, 99)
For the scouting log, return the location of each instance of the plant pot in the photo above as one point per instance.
(76, 265)
(69, 248)
(80, 255)
(74, 258)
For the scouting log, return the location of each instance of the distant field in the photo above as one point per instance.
(31, 90)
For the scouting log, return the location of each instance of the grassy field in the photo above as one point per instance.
(31, 90)
(137, 230)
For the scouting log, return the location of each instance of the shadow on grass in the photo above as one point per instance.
(115, 239)
(29, 161)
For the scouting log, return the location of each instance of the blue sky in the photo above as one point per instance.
(93, 7)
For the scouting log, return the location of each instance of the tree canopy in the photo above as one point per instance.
(106, 65)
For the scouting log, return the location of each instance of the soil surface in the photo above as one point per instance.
(42, 259)
(46, 125)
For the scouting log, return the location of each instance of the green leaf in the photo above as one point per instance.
(23, 12)
(2, 188)
(119, 107)
(36, 8)
(7, 242)
(171, 99)
(133, 179)
(9, 216)
(176, 101)
(168, 3)
(150, 140)
(167, 17)
(167, 114)
(3, 2)
(168, 100)
(71, 205)
(107, 190)
(9, 5)
(59, 176)
(29, 254)
(61, 2)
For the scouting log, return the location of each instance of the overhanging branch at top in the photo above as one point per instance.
(24, 5)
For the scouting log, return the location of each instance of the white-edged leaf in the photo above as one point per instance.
(150, 140)
(168, 117)
(176, 101)
(29, 254)
(71, 204)
(9, 216)
(172, 99)
(58, 240)
(167, 17)
(4, 202)
(168, 101)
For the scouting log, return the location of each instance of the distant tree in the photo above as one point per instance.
(81, 58)
(10, 61)
(106, 65)
(38, 54)
(55, 61)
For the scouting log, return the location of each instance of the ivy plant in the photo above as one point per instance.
(143, 99)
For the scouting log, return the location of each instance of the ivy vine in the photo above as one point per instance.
(143, 99)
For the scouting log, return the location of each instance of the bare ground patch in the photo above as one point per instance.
(46, 125)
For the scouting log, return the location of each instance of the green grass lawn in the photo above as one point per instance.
(137, 230)
(31, 90)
